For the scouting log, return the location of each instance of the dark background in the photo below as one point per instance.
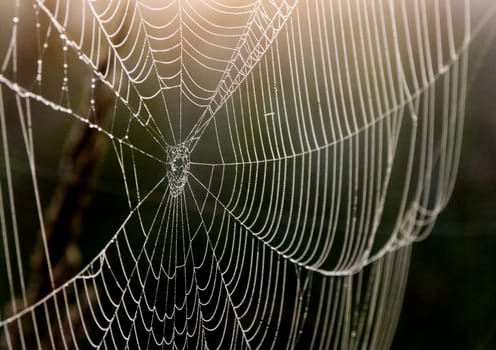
(450, 301)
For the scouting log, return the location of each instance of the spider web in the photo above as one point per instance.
(272, 163)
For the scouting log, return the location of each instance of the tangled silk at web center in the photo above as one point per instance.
(177, 168)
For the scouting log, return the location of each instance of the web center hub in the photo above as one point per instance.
(177, 168)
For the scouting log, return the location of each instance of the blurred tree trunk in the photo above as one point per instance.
(79, 168)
